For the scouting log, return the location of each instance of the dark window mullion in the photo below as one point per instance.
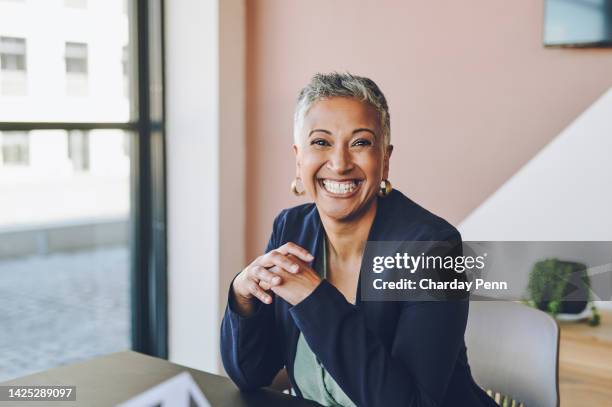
(149, 297)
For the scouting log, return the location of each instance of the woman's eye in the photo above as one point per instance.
(319, 142)
(362, 142)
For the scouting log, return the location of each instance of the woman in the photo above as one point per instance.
(299, 307)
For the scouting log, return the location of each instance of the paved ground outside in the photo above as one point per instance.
(62, 308)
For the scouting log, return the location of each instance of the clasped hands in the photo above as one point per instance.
(284, 271)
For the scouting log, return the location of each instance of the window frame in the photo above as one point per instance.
(21, 58)
(71, 61)
(23, 154)
(78, 146)
(148, 236)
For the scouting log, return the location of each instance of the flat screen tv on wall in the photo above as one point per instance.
(578, 23)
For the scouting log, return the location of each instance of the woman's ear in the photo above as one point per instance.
(296, 151)
(388, 152)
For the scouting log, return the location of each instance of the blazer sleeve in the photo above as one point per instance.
(417, 369)
(251, 347)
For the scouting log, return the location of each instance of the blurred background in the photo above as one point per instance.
(64, 192)
(146, 149)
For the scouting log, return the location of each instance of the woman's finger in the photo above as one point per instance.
(275, 270)
(262, 274)
(275, 258)
(297, 251)
(259, 293)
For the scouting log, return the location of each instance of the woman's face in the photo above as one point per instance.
(340, 157)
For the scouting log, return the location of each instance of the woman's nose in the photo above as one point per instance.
(340, 160)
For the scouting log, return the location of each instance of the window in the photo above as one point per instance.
(76, 58)
(82, 221)
(125, 69)
(124, 61)
(15, 148)
(78, 150)
(76, 69)
(13, 54)
(125, 145)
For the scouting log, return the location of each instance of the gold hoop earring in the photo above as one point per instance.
(294, 188)
(385, 188)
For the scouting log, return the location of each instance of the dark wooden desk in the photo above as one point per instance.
(109, 380)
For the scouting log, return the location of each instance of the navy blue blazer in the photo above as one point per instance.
(380, 353)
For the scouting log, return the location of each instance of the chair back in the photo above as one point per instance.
(514, 350)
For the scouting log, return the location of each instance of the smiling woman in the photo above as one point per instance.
(341, 156)
(298, 306)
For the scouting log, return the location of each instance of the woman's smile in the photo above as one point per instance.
(336, 188)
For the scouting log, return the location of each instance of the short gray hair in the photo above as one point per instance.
(325, 86)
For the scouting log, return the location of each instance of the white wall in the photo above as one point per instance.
(205, 170)
(563, 194)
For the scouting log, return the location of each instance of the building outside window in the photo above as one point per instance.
(125, 145)
(76, 58)
(72, 278)
(13, 54)
(15, 148)
(125, 69)
(13, 66)
(78, 150)
(76, 61)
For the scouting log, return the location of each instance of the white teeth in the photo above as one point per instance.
(339, 187)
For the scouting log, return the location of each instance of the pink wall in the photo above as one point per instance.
(472, 86)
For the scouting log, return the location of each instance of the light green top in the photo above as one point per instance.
(314, 382)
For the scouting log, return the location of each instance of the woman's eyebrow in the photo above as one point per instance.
(319, 130)
(330, 133)
(364, 129)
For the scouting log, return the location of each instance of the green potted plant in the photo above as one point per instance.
(560, 287)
